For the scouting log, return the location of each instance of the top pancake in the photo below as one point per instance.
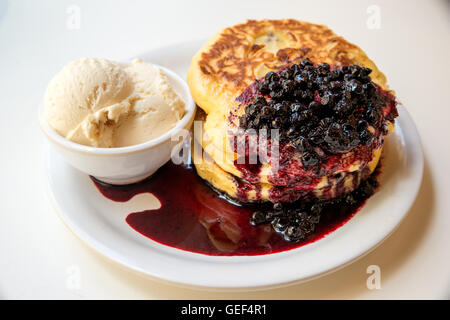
(238, 55)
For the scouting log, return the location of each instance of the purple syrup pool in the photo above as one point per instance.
(195, 218)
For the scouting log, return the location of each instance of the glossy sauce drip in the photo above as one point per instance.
(194, 218)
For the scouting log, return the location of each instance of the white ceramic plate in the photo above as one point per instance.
(101, 222)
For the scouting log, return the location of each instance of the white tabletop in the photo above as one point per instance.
(40, 258)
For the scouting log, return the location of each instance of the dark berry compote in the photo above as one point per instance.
(331, 121)
(328, 116)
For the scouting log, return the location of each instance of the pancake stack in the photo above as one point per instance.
(262, 65)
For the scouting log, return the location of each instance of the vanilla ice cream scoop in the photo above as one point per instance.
(101, 103)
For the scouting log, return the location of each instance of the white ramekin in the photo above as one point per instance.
(130, 164)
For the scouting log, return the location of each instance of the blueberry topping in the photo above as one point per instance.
(328, 107)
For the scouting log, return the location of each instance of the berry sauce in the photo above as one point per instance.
(194, 218)
(328, 118)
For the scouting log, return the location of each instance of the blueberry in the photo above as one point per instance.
(291, 132)
(258, 218)
(365, 71)
(325, 99)
(354, 86)
(280, 224)
(294, 69)
(302, 144)
(285, 74)
(276, 93)
(336, 74)
(323, 68)
(305, 115)
(372, 116)
(263, 86)
(362, 124)
(266, 111)
(314, 219)
(310, 158)
(295, 118)
(277, 206)
(293, 233)
(250, 109)
(271, 77)
(354, 70)
(300, 80)
(325, 122)
(369, 88)
(277, 123)
(343, 107)
(306, 62)
(316, 209)
(314, 107)
(366, 137)
(287, 86)
(260, 100)
(296, 107)
(316, 136)
(278, 107)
